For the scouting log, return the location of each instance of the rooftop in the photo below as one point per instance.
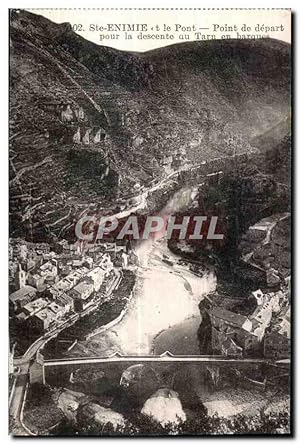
(56, 308)
(36, 305)
(96, 271)
(64, 299)
(228, 316)
(46, 313)
(83, 286)
(21, 293)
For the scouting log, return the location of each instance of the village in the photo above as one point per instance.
(51, 287)
(264, 332)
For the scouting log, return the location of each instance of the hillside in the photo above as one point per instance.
(89, 122)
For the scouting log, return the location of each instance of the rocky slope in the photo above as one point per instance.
(265, 251)
(82, 116)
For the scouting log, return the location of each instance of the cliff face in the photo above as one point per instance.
(125, 113)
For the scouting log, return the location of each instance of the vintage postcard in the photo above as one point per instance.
(150, 214)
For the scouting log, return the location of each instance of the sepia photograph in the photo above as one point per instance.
(150, 213)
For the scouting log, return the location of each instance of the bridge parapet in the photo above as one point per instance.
(165, 357)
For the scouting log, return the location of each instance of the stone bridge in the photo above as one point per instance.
(42, 364)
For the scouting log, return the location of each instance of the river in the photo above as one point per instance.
(166, 295)
(163, 315)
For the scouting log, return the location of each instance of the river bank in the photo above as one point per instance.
(166, 293)
(104, 316)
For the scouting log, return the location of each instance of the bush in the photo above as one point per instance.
(140, 425)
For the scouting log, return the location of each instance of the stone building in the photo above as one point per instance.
(22, 296)
(67, 114)
(232, 333)
(20, 278)
(277, 345)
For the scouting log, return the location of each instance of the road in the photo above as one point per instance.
(23, 363)
(40, 342)
(17, 399)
